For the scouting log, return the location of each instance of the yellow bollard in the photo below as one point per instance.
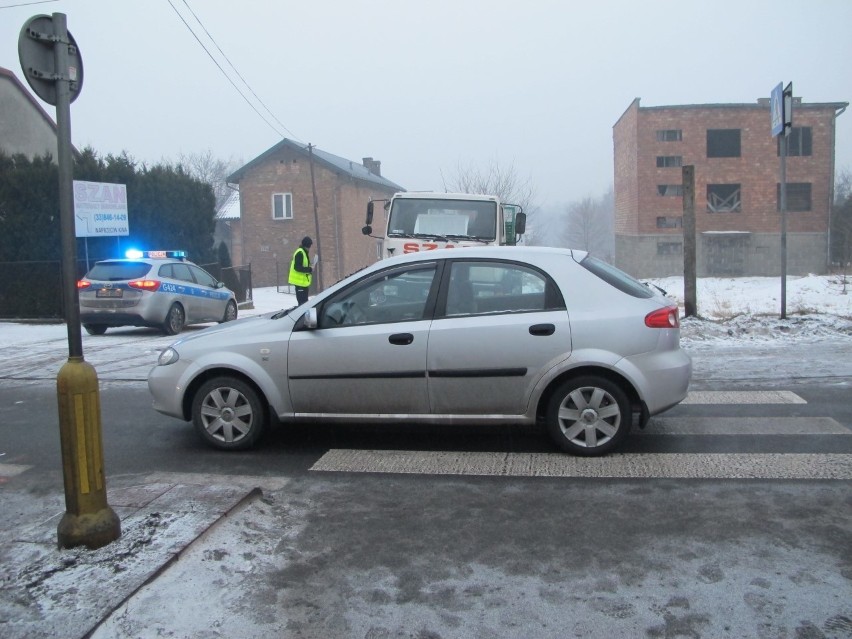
(88, 519)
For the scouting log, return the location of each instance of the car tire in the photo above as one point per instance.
(588, 416)
(228, 413)
(230, 312)
(95, 329)
(175, 320)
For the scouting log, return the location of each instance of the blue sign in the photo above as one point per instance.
(776, 109)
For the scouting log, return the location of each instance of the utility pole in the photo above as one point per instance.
(316, 212)
(690, 294)
(53, 68)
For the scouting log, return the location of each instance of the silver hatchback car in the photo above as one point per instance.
(161, 289)
(466, 335)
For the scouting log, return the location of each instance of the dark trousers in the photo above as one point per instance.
(301, 295)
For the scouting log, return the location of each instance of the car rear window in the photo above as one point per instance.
(117, 271)
(616, 277)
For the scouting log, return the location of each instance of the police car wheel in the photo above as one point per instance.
(230, 312)
(95, 329)
(174, 320)
(228, 413)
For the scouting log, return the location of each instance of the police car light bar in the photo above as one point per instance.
(134, 254)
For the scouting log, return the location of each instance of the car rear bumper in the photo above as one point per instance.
(661, 378)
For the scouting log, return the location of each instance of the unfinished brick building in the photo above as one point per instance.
(737, 188)
(277, 211)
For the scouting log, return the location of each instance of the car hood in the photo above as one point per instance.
(256, 323)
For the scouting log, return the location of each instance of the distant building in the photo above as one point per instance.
(737, 188)
(276, 210)
(25, 127)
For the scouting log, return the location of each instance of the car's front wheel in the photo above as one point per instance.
(95, 329)
(230, 312)
(174, 320)
(228, 413)
(588, 416)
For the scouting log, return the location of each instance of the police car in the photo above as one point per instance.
(161, 289)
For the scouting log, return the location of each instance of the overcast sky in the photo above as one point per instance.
(428, 86)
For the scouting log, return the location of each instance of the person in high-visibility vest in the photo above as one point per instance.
(301, 270)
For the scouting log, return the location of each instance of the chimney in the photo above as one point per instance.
(373, 166)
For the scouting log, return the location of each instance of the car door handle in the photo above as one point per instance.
(542, 329)
(401, 339)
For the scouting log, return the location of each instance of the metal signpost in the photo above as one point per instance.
(781, 115)
(52, 66)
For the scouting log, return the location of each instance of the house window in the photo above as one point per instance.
(282, 206)
(664, 222)
(669, 135)
(669, 248)
(723, 143)
(798, 196)
(798, 142)
(670, 189)
(669, 160)
(723, 198)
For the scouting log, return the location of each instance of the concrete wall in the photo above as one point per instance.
(722, 255)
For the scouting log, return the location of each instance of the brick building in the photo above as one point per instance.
(277, 211)
(737, 168)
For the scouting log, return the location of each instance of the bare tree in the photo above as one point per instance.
(208, 168)
(494, 179)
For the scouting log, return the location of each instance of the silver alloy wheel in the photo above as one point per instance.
(174, 320)
(589, 417)
(226, 414)
(230, 312)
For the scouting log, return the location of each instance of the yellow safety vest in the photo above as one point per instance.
(297, 278)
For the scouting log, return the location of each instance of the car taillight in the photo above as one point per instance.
(83, 284)
(145, 285)
(663, 318)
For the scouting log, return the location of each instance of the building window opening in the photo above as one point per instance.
(669, 160)
(799, 142)
(282, 206)
(798, 196)
(669, 222)
(723, 198)
(666, 190)
(723, 143)
(669, 135)
(669, 248)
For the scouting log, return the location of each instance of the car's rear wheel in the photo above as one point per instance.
(588, 416)
(228, 413)
(174, 320)
(95, 329)
(230, 312)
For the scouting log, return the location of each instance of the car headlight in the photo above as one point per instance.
(168, 356)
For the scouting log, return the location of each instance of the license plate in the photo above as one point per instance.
(109, 292)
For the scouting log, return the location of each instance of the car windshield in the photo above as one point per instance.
(117, 271)
(442, 218)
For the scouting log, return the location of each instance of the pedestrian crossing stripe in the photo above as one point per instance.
(742, 426)
(743, 397)
(615, 466)
(11, 470)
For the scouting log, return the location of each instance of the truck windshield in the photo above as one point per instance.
(442, 218)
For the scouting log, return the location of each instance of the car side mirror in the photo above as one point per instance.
(309, 319)
(220, 284)
(369, 213)
(520, 223)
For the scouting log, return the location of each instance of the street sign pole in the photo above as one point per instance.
(781, 116)
(52, 66)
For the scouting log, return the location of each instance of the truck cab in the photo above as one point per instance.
(420, 221)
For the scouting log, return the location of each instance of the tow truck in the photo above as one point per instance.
(424, 221)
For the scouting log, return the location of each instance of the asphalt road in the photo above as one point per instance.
(400, 531)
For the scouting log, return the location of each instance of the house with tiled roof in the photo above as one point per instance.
(291, 191)
(25, 127)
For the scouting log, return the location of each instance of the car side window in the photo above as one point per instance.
(203, 277)
(397, 296)
(181, 272)
(481, 287)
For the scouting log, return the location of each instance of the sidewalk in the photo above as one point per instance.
(47, 592)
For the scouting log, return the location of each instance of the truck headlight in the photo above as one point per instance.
(168, 356)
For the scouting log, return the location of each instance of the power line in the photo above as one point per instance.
(26, 4)
(213, 40)
(227, 76)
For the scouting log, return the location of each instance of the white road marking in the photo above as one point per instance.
(10, 470)
(742, 426)
(644, 465)
(743, 397)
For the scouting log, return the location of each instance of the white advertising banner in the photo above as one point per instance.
(100, 209)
